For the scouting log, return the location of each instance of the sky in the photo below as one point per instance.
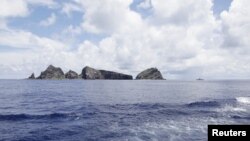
(184, 39)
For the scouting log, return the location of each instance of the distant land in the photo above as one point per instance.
(88, 73)
(199, 79)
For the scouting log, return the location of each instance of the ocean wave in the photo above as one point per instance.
(136, 106)
(147, 106)
(241, 117)
(19, 117)
(243, 100)
(204, 104)
(232, 109)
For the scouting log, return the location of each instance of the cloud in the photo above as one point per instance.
(71, 7)
(24, 39)
(13, 8)
(49, 3)
(179, 12)
(146, 4)
(19, 8)
(236, 25)
(49, 21)
(71, 30)
(102, 17)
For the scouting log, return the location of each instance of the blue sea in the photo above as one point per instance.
(109, 110)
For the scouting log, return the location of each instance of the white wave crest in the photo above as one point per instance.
(244, 100)
(231, 109)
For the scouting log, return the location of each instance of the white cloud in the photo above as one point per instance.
(70, 7)
(70, 36)
(49, 21)
(49, 3)
(19, 8)
(182, 12)
(107, 16)
(236, 24)
(146, 4)
(13, 8)
(23, 39)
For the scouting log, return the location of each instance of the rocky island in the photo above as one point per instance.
(32, 76)
(151, 73)
(88, 73)
(91, 73)
(52, 73)
(71, 75)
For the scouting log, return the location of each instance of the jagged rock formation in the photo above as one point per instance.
(151, 73)
(71, 75)
(32, 76)
(91, 73)
(52, 73)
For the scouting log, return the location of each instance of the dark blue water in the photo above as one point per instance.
(79, 110)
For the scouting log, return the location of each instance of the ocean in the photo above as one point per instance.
(110, 110)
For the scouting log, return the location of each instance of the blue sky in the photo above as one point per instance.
(181, 38)
(221, 5)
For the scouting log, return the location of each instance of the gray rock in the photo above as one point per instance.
(91, 73)
(32, 76)
(71, 75)
(115, 75)
(52, 73)
(151, 73)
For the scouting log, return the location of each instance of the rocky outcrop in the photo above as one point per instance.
(71, 75)
(52, 73)
(91, 73)
(115, 75)
(151, 73)
(32, 76)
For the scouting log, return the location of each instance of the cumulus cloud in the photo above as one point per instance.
(236, 24)
(24, 39)
(13, 8)
(19, 8)
(107, 17)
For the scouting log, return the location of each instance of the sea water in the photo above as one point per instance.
(109, 110)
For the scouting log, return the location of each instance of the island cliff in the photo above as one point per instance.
(151, 73)
(91, 73)
(52, 73)
(71, 75)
